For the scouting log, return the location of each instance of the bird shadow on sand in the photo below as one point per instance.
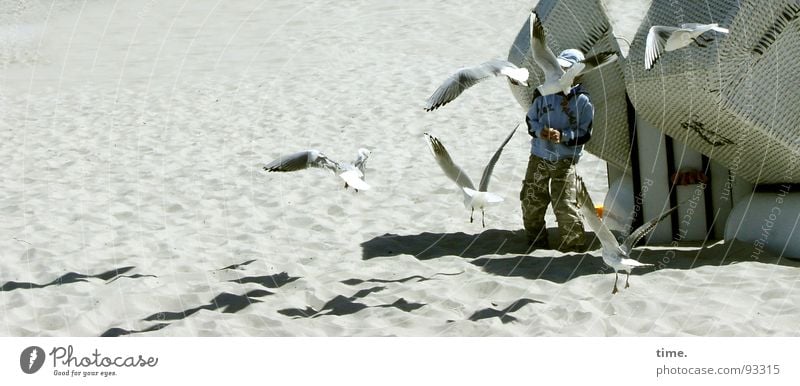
(116, 331)
(269, 281)
(503, 314)
(225, 302)
(415, 278)
(74, 277)
(342, 305)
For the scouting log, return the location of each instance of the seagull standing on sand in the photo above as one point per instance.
(614, 255)
(469, 76)
(351, 173)
(473, 199)
(560, 72)
(665, 38)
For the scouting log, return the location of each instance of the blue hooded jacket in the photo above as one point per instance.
(575, 127)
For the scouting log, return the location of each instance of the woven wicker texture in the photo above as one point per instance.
(737, 100)
(583, 25)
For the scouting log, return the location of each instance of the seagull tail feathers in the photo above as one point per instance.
(488, 197)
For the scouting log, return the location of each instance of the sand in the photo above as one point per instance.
(134, 202)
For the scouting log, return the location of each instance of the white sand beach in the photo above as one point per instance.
(134, 201)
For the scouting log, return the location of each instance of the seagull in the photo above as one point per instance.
(469, 76)
(665, 38)
(351, 173)
(473, 198)
(614, 255)
(556, 79)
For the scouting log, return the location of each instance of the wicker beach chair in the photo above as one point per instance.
(736, 100)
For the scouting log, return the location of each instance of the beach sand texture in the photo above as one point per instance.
(134, 202)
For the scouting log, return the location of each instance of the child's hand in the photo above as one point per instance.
(551, 135)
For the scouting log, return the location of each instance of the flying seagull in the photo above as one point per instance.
(665, 38)
(469, 76)
(556, 79)
(614, 255)
(473, 198)
(351, 173)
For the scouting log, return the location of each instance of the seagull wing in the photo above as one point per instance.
(585, 66)
(470, 76)
(696, 29)
(354, 178)
(720, 29)
(542, 54)
(302, 160)
(699, 29)
(643, 230)
(597, 32)
(487, 172)
(451, 170)
(589, 215)
(654, 45)
(697, 26)
(596, 61)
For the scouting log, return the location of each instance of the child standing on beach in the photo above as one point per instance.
(560, 125)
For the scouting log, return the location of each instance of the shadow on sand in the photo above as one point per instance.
(225, 302)
(425, 246)
(503, 314)
(342, 305)
(486, 251)
(560, 269)
(74, 277)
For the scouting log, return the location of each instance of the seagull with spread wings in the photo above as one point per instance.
(351, 173)
(666, 38)
(479, 198)
(559, 74)
(614, 255)
(467, 77)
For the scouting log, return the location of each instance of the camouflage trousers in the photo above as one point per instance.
(551, 182)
